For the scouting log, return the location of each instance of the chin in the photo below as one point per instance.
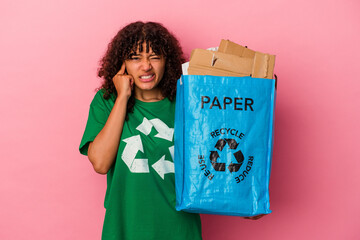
(146, 86)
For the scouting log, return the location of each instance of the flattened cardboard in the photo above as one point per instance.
(227, 46)
(206, 59)
(205, 62)
(263, 63)
(198, 70)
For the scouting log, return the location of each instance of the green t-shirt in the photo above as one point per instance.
(140, 195)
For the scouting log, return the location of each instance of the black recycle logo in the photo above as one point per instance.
(214, 155)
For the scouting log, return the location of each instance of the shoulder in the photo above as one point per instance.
(99, 97)
(100, 103)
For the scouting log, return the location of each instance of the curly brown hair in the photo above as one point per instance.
(128, 40)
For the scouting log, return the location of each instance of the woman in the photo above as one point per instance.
(129, 135)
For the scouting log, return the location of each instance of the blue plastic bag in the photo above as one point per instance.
(223, 144)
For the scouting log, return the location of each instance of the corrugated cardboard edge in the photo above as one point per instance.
(201, 58)
(199, 70)
(260, 69)
(227, 46)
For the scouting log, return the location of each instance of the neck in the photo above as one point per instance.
(153, 95)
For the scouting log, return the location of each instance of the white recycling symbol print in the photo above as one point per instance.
(134, 144)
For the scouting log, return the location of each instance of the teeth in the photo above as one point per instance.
(146, 77)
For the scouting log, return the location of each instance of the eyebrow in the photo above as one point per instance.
(139, 54)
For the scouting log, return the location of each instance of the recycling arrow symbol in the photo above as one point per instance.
(163, 130)
(163, 166)
(134, 144)
(214, 155)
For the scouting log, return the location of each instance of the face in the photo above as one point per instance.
(146, 68)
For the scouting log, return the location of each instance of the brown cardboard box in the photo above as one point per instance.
(263, 63)
(231, 60)
(227, 46)
(219, 62)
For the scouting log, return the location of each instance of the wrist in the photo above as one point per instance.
(123, 97)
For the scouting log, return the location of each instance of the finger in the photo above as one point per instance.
(255, 217)
(122, 69)
(250, 218)
(132, 83)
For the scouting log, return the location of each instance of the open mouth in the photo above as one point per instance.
(147, 78)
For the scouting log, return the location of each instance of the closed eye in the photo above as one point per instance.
(155, 57)
(134, 58)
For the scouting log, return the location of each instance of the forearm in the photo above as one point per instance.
(102, 151)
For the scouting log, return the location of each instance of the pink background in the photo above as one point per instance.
(49, 53)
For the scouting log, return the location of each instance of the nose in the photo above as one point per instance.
(146, 65)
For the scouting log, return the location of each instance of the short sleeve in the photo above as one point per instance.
(98, 115)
